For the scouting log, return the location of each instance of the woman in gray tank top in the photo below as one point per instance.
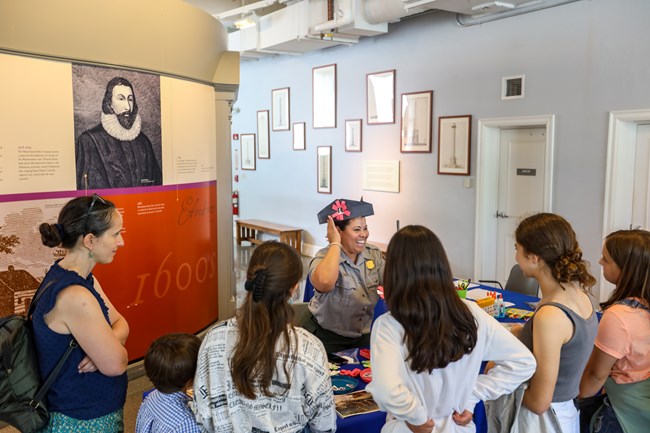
(563, 328)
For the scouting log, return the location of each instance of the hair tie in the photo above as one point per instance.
(59, 228)
(256, 285)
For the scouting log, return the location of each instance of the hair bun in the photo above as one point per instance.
(569, 266)
(50, 235)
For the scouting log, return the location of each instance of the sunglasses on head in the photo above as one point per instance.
(90, 209)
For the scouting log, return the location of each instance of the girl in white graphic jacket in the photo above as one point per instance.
(258, 372)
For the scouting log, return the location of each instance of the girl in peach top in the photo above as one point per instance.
(620, 358)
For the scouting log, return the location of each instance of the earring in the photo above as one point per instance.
(90, 254)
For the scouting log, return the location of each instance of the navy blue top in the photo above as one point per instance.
(77, 395)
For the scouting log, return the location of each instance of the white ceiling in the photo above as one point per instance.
(284, 31)
(466, 7)
(214, 7)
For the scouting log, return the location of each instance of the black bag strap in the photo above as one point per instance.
(40, 395)
(39, 292)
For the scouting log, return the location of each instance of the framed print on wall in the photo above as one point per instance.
(353, 135)
(380, 97)
(324, 169)
(324, 96)
(247, 142)
(263, 145)
(299, 139)
(281, 108)
(454, 144)
(416, 122)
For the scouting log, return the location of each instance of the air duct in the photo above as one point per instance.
(347, 17)
(384, 11)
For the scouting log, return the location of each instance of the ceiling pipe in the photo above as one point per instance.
(468, 20)
(337, 40)
(337, 22)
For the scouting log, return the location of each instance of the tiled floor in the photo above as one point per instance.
(140, 384)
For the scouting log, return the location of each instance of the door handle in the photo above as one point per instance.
(501, 215)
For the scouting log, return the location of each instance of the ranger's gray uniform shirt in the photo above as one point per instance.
(348, 309)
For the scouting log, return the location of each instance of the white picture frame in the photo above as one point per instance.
(299, 136)
(281, 105)
(380, 97)
(324, 169)
(324, 96)
(353, 135)
(263, 143)
(247, 143)
(416, 122)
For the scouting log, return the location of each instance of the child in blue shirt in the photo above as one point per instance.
(170, 364)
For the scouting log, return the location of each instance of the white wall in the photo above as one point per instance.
(581, 60)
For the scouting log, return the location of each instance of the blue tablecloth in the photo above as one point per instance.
(370, 422)
(373, 422)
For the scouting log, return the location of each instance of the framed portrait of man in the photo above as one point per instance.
(117, 128)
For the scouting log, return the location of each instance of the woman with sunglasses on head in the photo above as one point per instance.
(562, 330)
(257, 372)
(89, 393)
(620, 359)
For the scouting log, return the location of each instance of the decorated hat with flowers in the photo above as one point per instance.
(342, 209)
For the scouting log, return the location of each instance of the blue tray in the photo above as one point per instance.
(344, 385)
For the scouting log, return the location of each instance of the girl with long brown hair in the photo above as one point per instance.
(619, 359)
(427, 351)
(257, 371)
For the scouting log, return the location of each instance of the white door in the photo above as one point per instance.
(491, 172)
(641, 190)
(627, 201)
(522, 154)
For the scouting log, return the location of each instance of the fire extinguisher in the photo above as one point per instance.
(235, 202)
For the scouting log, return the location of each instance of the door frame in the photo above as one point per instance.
(619, 179)
(487, 183)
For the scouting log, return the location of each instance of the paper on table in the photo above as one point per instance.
(475, 294)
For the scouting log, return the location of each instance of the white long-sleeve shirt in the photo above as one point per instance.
(417, 397)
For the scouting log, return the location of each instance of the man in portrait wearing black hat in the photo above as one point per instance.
(345, 275)
(116, 153)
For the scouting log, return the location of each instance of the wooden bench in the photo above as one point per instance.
(247, 231)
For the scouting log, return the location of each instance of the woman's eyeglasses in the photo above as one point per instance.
(90, 209)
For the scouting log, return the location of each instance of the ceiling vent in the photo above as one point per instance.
(512, 87)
